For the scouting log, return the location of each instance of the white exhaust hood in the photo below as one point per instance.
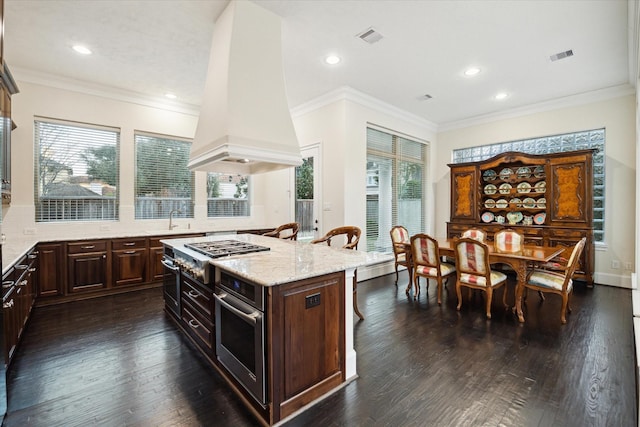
(245, 125)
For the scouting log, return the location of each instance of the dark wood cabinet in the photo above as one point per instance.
(87, 266)
(129, 259)
(50, 270)
(549, 198)
(197, 313)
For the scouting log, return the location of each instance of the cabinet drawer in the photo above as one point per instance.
(199, 297)
(199, 328)
(87, 246)
(566, 233)
(121, 244)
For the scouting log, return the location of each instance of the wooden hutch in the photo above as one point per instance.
(549, 198)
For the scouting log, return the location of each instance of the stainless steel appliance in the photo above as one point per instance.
(240, 332)
(171, 281)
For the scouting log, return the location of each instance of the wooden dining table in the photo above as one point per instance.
(530, 255)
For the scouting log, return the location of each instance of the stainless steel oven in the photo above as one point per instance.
(240, 332)
(171, 282)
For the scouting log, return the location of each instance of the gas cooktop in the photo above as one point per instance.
(221, 248)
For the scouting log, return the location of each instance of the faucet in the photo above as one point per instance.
(171, 226)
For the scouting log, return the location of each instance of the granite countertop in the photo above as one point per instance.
(287, 261)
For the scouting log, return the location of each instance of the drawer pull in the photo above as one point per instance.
(88, 247)
(193, 324)
(193, 294)
(129, 252)
(32, 256)
(21, 267)
(24, 283)
(32, 270)
(129, 244)
(8, 304)
(7, 284)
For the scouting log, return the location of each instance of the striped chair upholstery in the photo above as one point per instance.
(426, 263)
(475, 233)
(472, 265)
(558, 282)
(400, 241)
(507, 240)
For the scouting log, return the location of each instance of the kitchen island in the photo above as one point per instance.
(303, 333)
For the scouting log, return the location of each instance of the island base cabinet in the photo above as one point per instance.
(307, 341)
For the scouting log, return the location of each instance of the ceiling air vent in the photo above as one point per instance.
(561, 55)
(370, 35)
(425, 97)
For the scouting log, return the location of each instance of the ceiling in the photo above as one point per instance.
(149, 48)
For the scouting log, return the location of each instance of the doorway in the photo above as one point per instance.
(307, 191)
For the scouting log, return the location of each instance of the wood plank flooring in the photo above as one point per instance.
(118, 361)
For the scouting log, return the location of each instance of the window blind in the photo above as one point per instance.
(76, 171)
(227, 195)
(396, 169)
(163, 181)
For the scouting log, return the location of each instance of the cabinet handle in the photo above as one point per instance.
(88, 247)
(8, 304)
(21, 267)
(24, 283)
(129, 252)
(7, 284)
(193, 294)
(129, 244)
(32, 270)
(193, 324)
(32, 256)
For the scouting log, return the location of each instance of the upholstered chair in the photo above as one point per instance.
(400, 242)
(427, 263)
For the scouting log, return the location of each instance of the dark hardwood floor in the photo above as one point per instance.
(118, 360)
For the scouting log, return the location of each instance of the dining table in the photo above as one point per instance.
(520, 261)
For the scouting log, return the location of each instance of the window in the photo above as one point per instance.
(396, 171)
(554, 144)
(227, 195)
(164, 183)
(76, 171)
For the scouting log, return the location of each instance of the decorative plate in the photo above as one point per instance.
(487, 217)
(490, 189)
(502, 203)
(529, 203)
(505, 174)
(523, 172)
(524, 187)
(514, 217)
(489, 175)
(538, 172)
(516, 202)
(505, 188)
(540, 187)
(542, 202)
(490, 204)
(539, 218)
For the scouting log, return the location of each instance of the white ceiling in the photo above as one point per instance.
(149, 48)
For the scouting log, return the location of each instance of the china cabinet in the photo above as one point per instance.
(549, 198)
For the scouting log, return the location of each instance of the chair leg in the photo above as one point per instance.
(459, 294)
(439, 284)
(396, 274)
(569, 302)
(541, 295)
(355, 300)
(563, 317)
(489, 297)
(416, 286)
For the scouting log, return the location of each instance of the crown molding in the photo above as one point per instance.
(87, 88)
(347, 93)
(555, 104)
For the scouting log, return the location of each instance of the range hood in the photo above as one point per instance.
(245, 125)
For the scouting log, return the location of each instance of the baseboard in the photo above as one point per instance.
(618, 280)
(376, 270)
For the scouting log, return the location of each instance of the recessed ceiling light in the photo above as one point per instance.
(170, 95)
(500, 96)
(83, 50)
(332, 59)
(471, 71)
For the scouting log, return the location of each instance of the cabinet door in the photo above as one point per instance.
(10, 322)
(129, 266)
(463, 193)
(571, 190)
(156, 269)
(50, 270)
(87, 272)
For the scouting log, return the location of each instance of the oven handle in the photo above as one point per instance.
(248, 317)
(169, 266)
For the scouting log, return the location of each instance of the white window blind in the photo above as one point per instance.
(76, 171)
(227, 195)
(396, 171)
(163, 180)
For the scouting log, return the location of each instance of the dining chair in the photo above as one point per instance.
(557, 281)
(399, 242)
(508, 241)
(425, 255)
(474, 272)
(475, 233)
(287, 231)
(350, 236)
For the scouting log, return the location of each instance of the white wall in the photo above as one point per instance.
(617, 116)
(37, 100)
